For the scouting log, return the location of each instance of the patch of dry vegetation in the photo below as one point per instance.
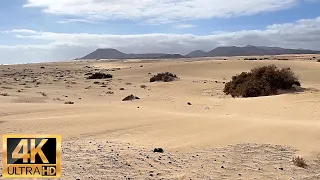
(130, 98)
(143, 86)
(261, 81)
(69, 102)
(100, 75)
(43, 94)
(165, 77)
(300, 162)
(4, 94)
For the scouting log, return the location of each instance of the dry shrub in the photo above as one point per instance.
(158, 150)
(318, 60)
(300, 162)
(143, 86)
(43, 94)
(261, 81)
(100, 75)
(130, 98)
(69, 102)
(4, 94)
(165, 77)
(252, 59)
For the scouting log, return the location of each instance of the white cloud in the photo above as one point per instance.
(75, 21)
(27, 31)
(55, 46)
(183, 26)
(160, 11)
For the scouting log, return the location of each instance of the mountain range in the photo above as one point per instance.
(248, 50)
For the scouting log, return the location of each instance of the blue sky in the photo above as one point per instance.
(41, 29)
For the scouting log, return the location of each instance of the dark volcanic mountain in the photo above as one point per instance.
(249, 50)
(115, 54)
(105, 54)
(197, 53)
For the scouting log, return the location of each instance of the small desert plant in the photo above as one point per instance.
(4, 94)
(143, 86)
(43, 94)
(261, 81)
(318, 60)
(165, 77)
(121, 89)
(130, 98)
(99, 75)
(69, 102)
(300, 162)
(158, 150)
(252, 59)
(4, 87)
(110, 92)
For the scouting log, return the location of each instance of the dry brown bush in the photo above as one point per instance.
(300, 162)
(261, 81)
(165, 77)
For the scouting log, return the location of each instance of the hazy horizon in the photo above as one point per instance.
(42, 30)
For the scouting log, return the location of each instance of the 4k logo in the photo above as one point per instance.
(31, 156)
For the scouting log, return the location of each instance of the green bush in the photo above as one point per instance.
(165, 77)
(261, 81)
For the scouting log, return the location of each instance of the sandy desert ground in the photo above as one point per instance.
(216, 137)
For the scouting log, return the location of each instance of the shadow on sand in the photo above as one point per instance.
(298, 90)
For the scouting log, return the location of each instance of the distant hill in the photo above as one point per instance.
(249, 50)
(115, 54)
(197, 53)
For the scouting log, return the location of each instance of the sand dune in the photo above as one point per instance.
(251, 138)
